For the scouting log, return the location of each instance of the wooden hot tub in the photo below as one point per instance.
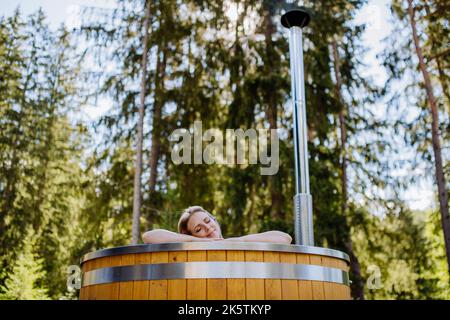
(215, 271)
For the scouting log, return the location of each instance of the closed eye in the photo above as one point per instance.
(206, 220)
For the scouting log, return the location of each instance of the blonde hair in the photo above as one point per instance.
(186, 215)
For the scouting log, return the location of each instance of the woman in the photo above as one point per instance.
(197, 224)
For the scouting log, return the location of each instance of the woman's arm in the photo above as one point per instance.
(164, 236)
(269, 236)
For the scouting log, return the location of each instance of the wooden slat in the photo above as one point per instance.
(330, 288)
(289, 288)
(82, 295)
(126, 288)
(317, 286)
(97, 264)
(177, 288)
(304, 286)
(254, 288)
(116, 260)
(102, 290)
(318, 290)
(288, 257)
(88, 265)
(141, 288)
(236, 255)
(196, 288)
(85, 267)
(346, 292)
(216, 289)
(341, 292)
(342, 264)
(93, 291)
(272, 286)
(334, 290)
(115, 287)
(90, 290)
(338, 291)
(236, 287)
(158, 288)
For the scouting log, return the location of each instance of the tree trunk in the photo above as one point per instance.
(140, 133)
(272, 113)
(440, 178)
(157, 113)
(358, 283)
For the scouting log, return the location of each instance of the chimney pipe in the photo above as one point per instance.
(295, 20)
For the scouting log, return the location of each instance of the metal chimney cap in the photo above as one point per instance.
(295, 18)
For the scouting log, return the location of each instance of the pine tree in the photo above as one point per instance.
(140, 134)
(42, 149)
(427, 142)
(440, 177)
(25, 280)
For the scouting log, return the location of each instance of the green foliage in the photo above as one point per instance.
(40, 151)
(434, 270)
(27, 278)
(407, 247)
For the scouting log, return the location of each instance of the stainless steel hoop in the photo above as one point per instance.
(215, 270)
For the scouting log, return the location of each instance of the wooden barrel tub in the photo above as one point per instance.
(215, 271)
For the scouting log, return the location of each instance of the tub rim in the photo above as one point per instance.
(217, 245)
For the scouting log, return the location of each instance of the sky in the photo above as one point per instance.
(375, 14)
(57, 11)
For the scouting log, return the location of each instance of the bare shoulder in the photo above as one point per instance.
(273, 236)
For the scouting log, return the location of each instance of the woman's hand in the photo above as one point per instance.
(269, 236)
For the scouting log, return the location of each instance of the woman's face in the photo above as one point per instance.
(201, 225)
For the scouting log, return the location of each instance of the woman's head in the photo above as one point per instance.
(198, 222)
